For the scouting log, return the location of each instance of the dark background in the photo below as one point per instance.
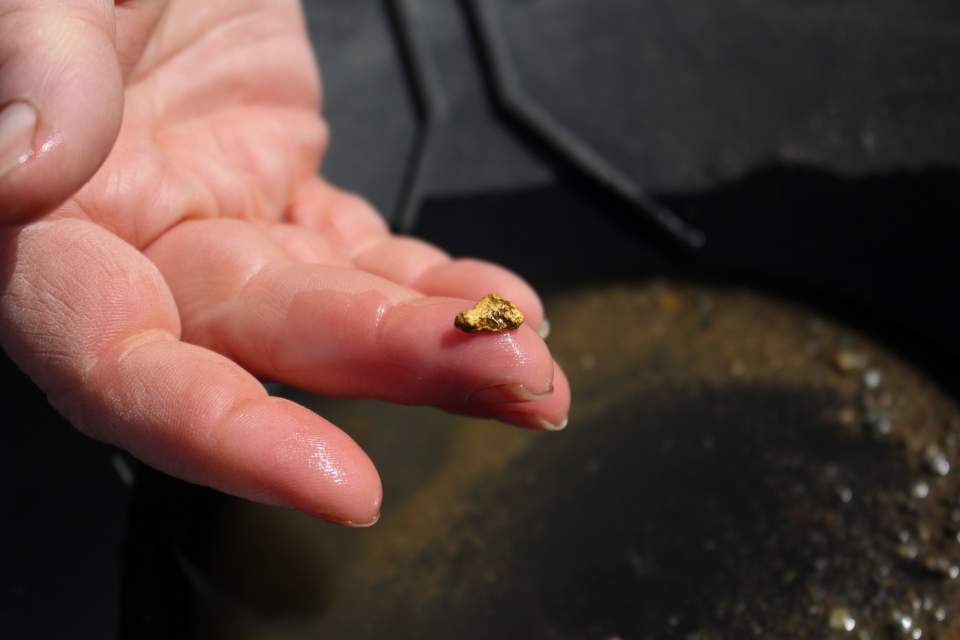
(816, 144)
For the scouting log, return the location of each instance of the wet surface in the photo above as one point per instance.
(734, 467)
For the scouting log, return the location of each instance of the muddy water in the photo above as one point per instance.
(734, 467)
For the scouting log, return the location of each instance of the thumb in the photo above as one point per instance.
(61, 100)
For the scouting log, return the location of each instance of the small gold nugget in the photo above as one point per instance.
(493, 313)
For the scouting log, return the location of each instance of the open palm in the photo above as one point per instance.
(144, 294)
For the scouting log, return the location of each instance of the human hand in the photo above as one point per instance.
(174, 243)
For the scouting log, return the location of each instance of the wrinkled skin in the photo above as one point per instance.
(168, 242)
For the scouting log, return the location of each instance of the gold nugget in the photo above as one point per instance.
(493, 313)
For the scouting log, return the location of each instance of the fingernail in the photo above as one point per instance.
(18, 121)
(503, 393)
(544, 329)
(362, 525)
(549, 426)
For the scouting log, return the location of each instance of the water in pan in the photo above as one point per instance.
(734, 467)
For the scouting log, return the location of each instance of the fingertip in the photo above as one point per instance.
(550, 413)
(315, 467)
(362, 525)
(515, 361)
